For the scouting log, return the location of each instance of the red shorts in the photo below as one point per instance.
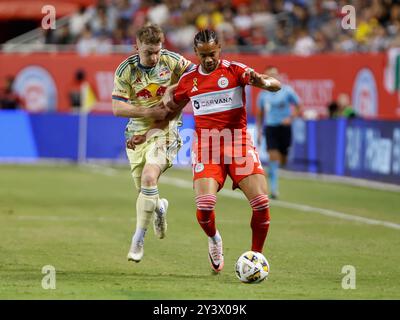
(239, 162)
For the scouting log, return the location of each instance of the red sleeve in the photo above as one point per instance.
(180, 93)
(239, 70)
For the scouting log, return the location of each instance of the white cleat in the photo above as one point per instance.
(216, 255)
(136, 252)
(160, 219)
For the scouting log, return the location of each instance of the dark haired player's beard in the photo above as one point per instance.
(209, 67)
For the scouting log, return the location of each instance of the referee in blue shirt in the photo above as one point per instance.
(277, 110)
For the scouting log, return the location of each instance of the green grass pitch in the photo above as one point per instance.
(81, 220)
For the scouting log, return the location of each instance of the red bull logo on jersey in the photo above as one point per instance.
(143, 94)
(160, 91)
(151, 91)
(164, 73)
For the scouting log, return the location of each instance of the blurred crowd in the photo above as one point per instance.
(300, 27)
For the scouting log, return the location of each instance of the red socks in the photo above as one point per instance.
(205, 213)
(259, 221)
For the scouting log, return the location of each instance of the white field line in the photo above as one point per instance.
(70, 218)
(290, 205)
(106, 167)
(181, 183)
(351, 181)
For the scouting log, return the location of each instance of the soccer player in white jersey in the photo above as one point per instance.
(140, 83)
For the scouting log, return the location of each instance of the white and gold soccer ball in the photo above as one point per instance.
(252, 267)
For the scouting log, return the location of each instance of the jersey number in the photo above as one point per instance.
(256, 158)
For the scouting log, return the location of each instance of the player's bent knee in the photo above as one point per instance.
(206, 202)
(260, 202)
(148, 179)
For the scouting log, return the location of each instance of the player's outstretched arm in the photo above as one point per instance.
(157, 125)
(170, 111)
(168, 98)
(262, 81)
(127, 110)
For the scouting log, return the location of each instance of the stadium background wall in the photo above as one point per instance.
(371, 80)
(358, 148)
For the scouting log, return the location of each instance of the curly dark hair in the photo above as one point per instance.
(205, 36)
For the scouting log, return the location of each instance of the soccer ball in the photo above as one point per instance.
(252, 267)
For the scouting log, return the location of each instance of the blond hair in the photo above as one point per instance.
(150, 34)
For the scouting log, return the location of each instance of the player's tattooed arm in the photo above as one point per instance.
(168, 98)
(157, 125)
(262, 81)
(170, 111)
(270, 83)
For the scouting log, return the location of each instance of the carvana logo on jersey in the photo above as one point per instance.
(37, 87)
(217, 101)
(365, 94)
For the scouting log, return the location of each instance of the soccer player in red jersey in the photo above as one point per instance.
(216, 90)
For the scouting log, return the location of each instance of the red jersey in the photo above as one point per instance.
(218, 98)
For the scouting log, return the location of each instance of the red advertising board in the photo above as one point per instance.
(45, 81)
